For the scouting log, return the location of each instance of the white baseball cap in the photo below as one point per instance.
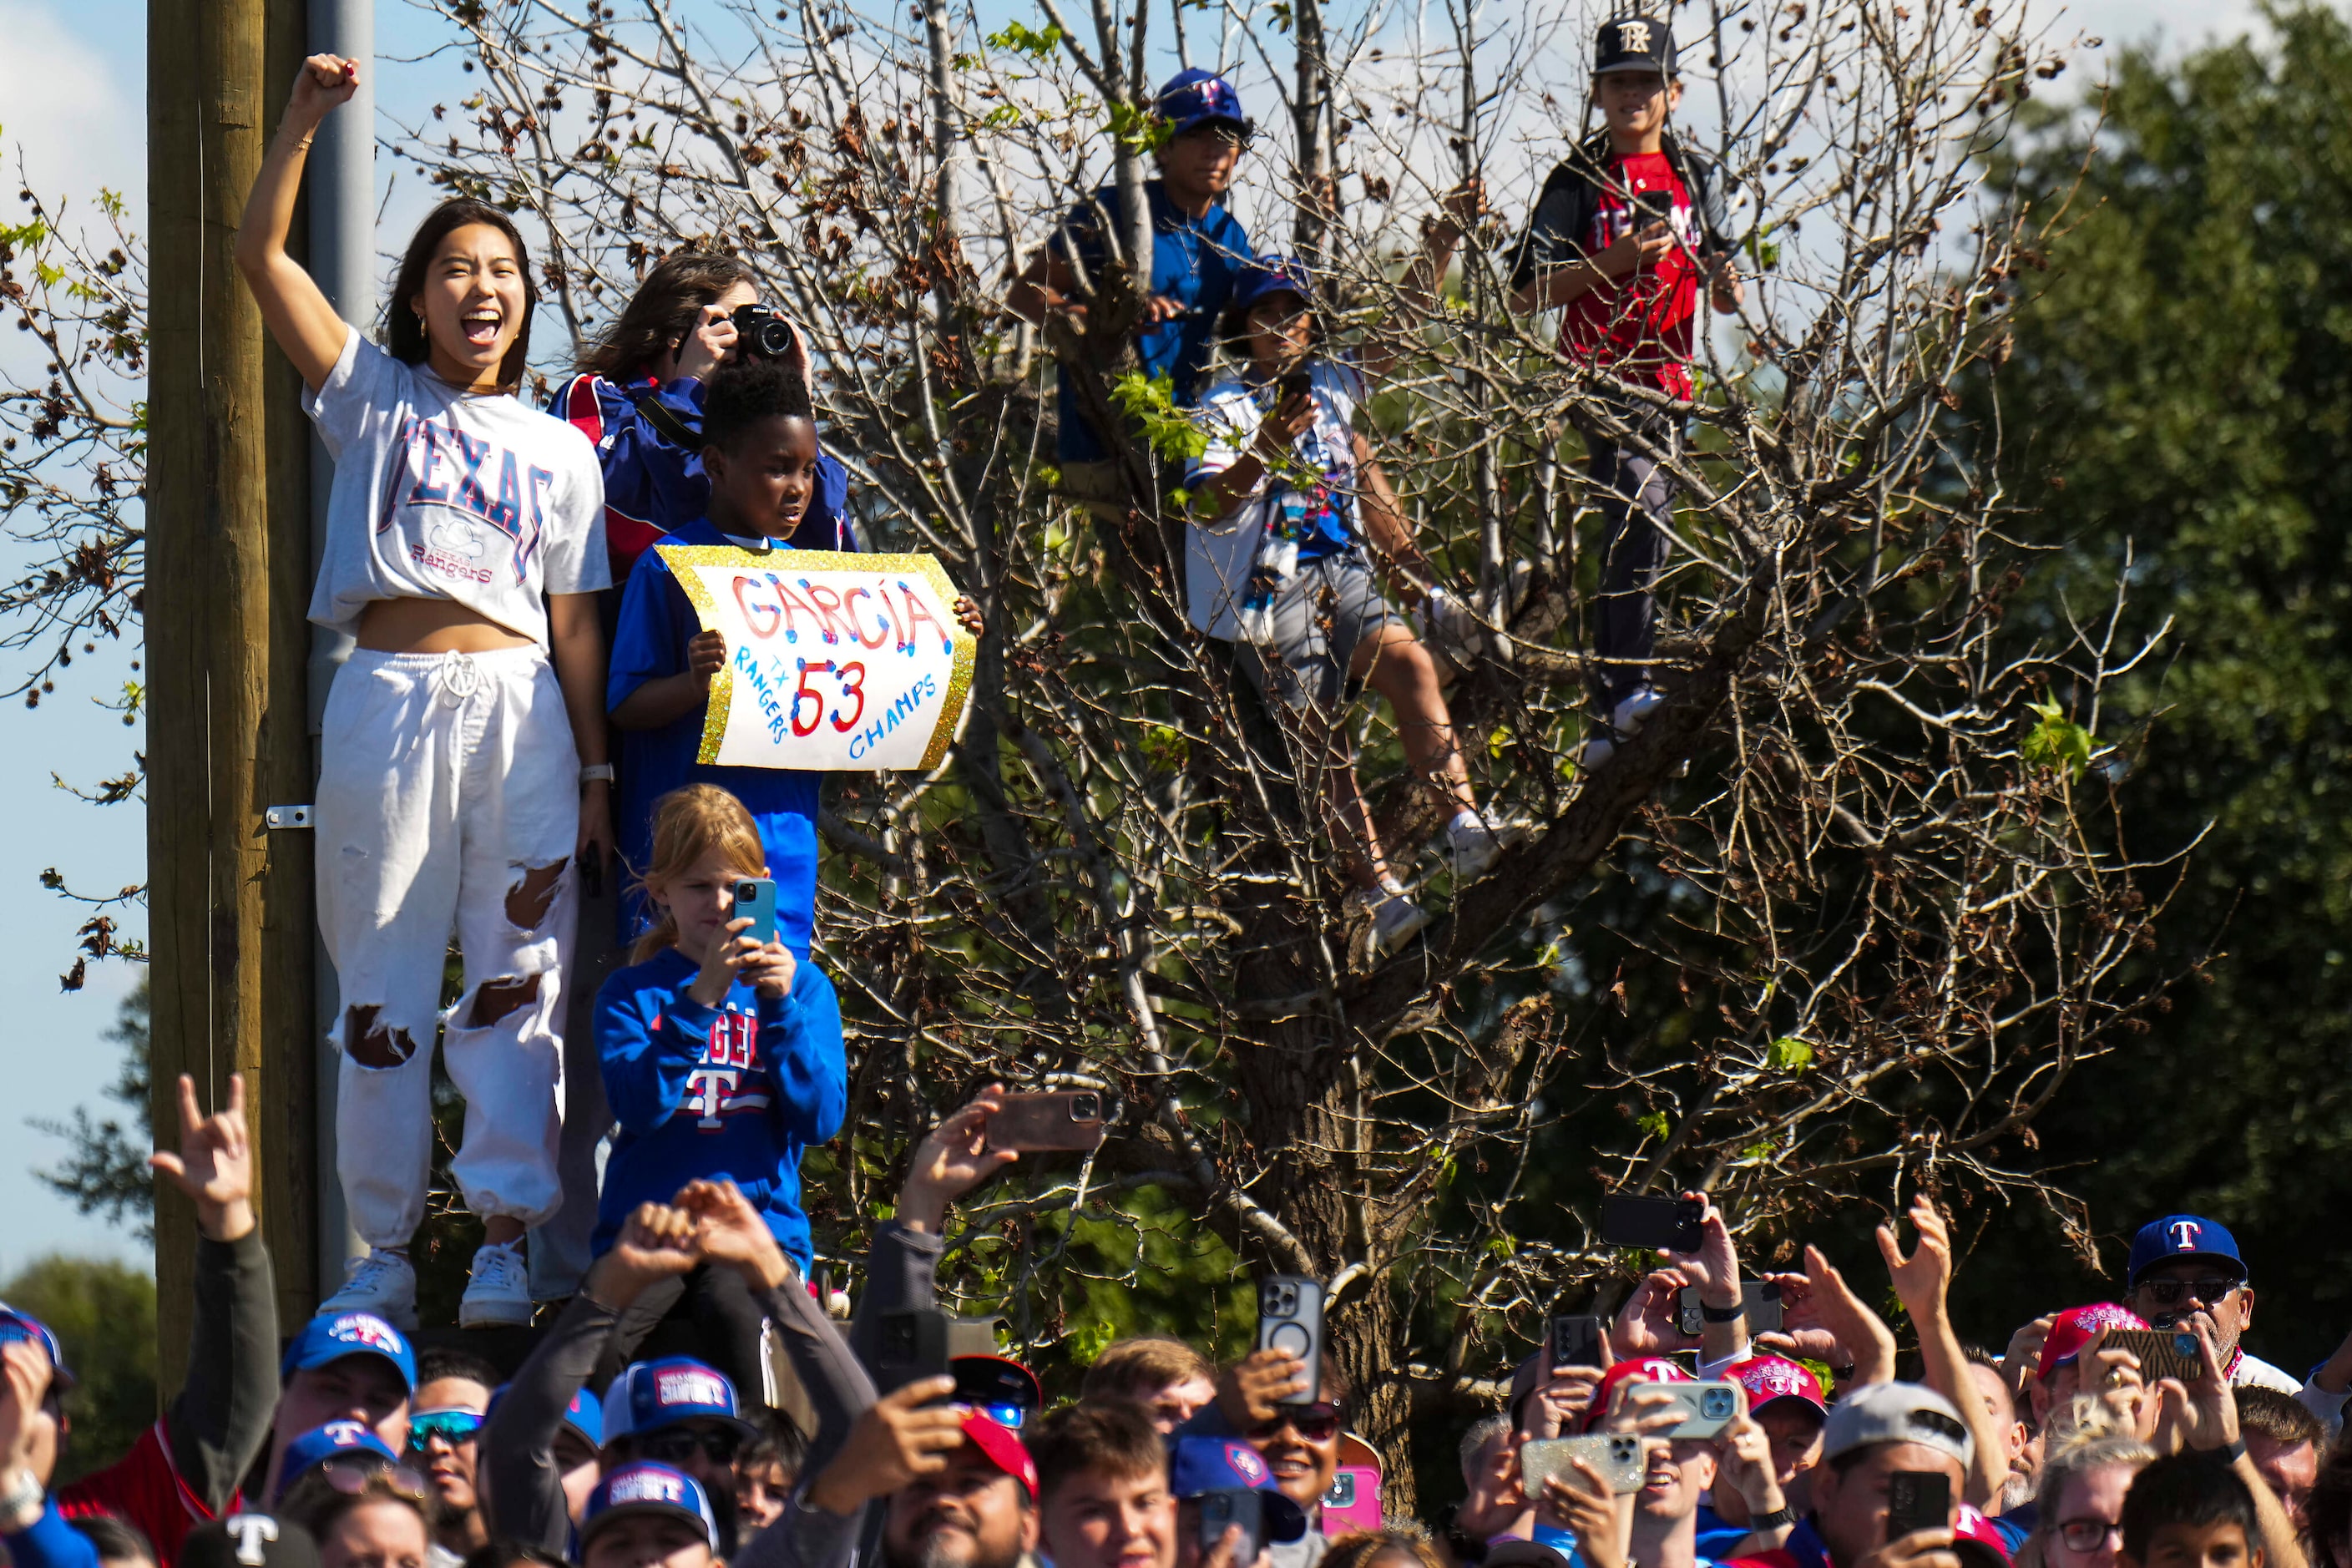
(1896, 1413)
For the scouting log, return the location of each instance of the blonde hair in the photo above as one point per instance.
(2081, 1436)
(690, 822)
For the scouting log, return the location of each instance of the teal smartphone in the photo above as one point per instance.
(756, 897)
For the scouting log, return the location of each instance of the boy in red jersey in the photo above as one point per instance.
(1626, 228)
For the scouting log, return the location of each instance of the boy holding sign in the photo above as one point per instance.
(760, 455)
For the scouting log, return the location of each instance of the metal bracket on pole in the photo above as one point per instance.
(287, 816)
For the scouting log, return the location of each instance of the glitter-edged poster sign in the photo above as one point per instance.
(834, 661)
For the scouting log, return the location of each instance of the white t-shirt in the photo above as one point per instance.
(443, 494)
(1218, 555)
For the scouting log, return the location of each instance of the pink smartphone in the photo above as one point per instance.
(1353, 1503)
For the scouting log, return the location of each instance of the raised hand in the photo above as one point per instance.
(2203, 1413)
(729, 1233)
(1831, 1305)
(1922, 1279)
(1561, 1400)
(728, 955)
(324, 84)
(1650, 1322)
(951, 1161)
(900, 1437)
(655, 1243)
(1249, 1390)
(28, 1432)
(1745, 1464)
(1588, 1507)
(215, 1165)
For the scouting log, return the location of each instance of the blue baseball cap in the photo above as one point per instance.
(1267, 275)
(1202, 1465)
(2178, 1236)
(335, 1440)
(331, 1336)
(647, 1488)
(1195, 97)
(652, 1395)
(17, 1326)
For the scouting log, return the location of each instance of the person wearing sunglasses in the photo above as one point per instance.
(453, 1394)
(2185, 1264)
(1299, 1442)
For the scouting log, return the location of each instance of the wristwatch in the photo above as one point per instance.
(1773, 1520)
(22, 1503)
(596, 773)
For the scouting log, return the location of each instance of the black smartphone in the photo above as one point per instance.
(1656, 207)
(1297, 383)
(1915, 1500)
(1760, 1297)
(1668, 1223)
(1576, 1341)
(913, 1346)
(1290, 1318)
(1221, 1510)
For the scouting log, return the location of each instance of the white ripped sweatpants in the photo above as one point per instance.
(448, 780)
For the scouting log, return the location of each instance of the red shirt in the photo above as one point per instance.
(143, 1488)
(1643, 324)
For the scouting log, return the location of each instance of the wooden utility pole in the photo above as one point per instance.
(229, 577)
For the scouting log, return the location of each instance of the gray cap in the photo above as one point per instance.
(1896, 1413)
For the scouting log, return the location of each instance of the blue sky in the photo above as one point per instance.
(72, 78)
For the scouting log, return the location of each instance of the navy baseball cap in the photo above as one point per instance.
(1197, 1466)
(1002, 1390)
(331, 1336)
(2177, 1235)
(15, 1326)
(1194, 98)
(652, 1395)
(335, 1440)
(1633, 43)
(647, 1488)
(1267, 275)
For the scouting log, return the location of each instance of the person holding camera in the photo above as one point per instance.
(639, 397)
(1286, 497)
(1623, 234)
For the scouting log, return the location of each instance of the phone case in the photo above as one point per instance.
(1290, 1318)
(1917, 1499)
(1575, 1341)
(1616, 1455)
(1221, 1509)
(2160, 1352)
(1047, 1121)
(1761, 1297)
(1707, 1407)
(756, 897)
(1670, 1225)
(1353, 1503)
(913, 1346)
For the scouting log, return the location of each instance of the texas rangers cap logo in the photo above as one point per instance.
(253, 1532)
(644, 1486)
(366, 1329)
(2185, 1232)
(1634, 37)
(687, 1386)
(1245, 1463)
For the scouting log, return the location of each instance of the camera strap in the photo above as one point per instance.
(665, 419)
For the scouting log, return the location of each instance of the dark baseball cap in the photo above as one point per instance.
(1633, 43)
(2179, 1235)
(1194, 98)
(249, 1539)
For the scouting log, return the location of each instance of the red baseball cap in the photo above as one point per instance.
(1977, 1541)
(1004, 1450)
(2073, 1329)
(1648, 1368)
(1770, 1378)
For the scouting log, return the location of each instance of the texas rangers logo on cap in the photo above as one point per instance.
(1634, 37)
(1246, 1463)
(2185, 1232)
(689, 1385)
(344, 1434)
(367, 1328)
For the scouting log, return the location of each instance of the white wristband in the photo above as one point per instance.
(596, 773)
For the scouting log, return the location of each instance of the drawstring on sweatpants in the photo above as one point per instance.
(457, 677)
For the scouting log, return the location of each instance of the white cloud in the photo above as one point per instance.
(70, 106)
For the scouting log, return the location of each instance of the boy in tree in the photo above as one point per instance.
(1626, 228)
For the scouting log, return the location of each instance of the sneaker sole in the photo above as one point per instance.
(494, 1314)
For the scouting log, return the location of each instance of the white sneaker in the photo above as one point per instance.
(1473, 847)
(1635, 706)
(1394, 918)
(499, 1294)
(383, 1283)
(1450, 627)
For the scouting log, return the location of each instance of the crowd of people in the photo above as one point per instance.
(2138, 1433)
(512, 754)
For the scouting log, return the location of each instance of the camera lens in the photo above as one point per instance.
(1085, 1108)
(2186, 1344)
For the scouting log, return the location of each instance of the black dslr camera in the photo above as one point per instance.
(761, 333)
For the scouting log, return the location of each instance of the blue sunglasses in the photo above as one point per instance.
(454, 1428)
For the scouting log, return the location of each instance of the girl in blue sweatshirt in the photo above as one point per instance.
(722, 1061)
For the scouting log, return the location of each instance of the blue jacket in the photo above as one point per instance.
(51, 1543)
(654, 486)
(735, 1091)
